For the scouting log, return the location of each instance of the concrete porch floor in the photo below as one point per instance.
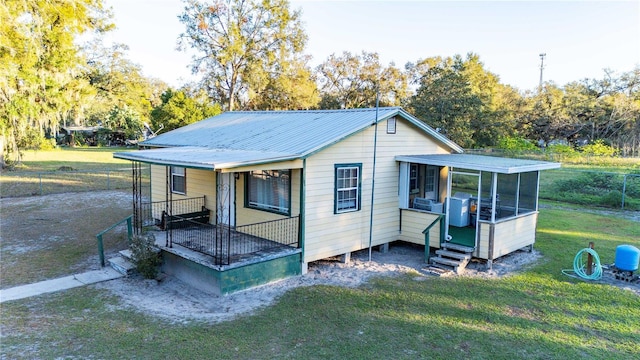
(237, 260)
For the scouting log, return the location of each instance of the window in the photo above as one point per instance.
(431, 182)
(414, 188)
(178, 180)
(528, 192)
(269, 190)
(391, 126)
(423, 181)
(347, 188)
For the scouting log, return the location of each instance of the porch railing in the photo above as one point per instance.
(153, 213)
(227, 245)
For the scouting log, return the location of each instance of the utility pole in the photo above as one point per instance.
(541, 68)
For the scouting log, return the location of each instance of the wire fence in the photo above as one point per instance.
(16, 183)
(592, 188)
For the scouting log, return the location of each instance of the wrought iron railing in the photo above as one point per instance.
(155, 213)
(227, 245)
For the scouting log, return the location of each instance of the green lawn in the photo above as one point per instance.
(65, 170)
(539, 314)
(78, 158)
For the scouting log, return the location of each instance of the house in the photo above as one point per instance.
(245, 198)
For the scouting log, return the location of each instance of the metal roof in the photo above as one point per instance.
(480, 162)
(250, 137)
(204, 158)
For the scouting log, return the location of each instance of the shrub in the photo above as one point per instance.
(145, 255)
(561, 149)
(599, 148)
(612, 198)
(516, 144)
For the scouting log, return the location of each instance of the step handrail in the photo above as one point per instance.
(439, 219)
(128, 219)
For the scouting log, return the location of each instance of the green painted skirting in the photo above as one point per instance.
(223, 282)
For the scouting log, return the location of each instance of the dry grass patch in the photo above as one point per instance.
(52, 236)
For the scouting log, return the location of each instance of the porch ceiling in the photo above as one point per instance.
(480, 162)
(204, 158)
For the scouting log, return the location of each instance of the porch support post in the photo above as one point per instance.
(494, 195)
(301, 219)
(134, 180)
(167, 203)
(448, 203)
(537, 188)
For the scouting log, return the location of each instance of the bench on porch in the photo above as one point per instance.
(184, 220)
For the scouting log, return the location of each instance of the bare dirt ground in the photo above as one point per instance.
(175, 301)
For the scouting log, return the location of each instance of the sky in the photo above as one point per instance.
(580, 38)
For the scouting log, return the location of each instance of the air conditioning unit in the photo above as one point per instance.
(427, 205)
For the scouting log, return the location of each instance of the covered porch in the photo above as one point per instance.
(218, 228)
(487, 206)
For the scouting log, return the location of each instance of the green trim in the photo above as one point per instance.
(301, 226)
(235, 196)
(335, 187)
(229, 280)
(440, 219)
(247, 176)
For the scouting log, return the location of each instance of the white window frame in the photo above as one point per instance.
(177, 172)
(391, 125)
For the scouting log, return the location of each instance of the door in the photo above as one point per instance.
(431, 182)
(226, 199)
(462, 188)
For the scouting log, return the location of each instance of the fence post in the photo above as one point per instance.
(100, 249)
(40, 177)
(624, 189)
(108, 172)
(129, 229)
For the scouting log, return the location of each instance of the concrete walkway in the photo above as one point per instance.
(64, 283)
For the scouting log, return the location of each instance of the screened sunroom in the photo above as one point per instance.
(489, 204)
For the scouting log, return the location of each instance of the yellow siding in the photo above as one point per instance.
(413, 224)
(246, 215)
(514, 234)
(328, 234)
(199, 183)
(482, 251)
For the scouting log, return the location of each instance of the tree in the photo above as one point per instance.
(178, 109)
(445, 100)
(353, 81)
(40, 63)
(546, 118)
(238, 43)
(464, 100)
(586, 111)
(126, 120)
(118, 83)
(292, 87)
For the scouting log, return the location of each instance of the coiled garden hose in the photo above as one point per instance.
(580, 266)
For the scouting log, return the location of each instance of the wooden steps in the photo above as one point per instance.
(452, 257)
